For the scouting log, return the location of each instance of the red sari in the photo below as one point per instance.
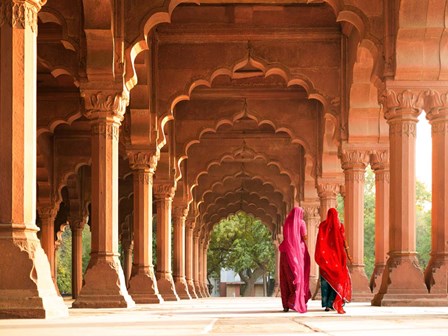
(294, 263)
(332, 260)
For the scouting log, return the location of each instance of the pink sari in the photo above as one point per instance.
(294, 263)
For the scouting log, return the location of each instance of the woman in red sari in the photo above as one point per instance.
(294, 263)
(331, 256)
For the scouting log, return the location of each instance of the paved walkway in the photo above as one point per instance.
(236, 316)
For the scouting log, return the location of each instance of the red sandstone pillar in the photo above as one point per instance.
(196, 264)
(311, 217)
(354, 163)
(143, 284)
(189, 257)
(26, 287)
(164, 195)
(402, 282)
(276, 291)
(204, 268)
(104, 284)
(77, 227)
(180, 214)
(436, 273)
(380, 165)
(47, 216)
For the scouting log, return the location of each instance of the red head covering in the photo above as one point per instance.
(331, 257)
(298, 257)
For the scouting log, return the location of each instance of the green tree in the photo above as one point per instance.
(369, 221)
(243, 244)
(64, 262)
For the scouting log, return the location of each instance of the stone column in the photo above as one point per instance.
(77, 227)
(380, 165)
(164, 195)
(196, 264)
(436, 273)
(26, 288)
(276, 291)
(47, 216)
(189, 261)
(354, 163)
(402, 281)
(180, 213)
(327, 194)
(104, 284)
(311, 217)
(204, 269)
(128, 251)
(143, 285)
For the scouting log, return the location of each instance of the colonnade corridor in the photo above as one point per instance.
(236, 316)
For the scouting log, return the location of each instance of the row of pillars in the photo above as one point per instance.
(397, 279)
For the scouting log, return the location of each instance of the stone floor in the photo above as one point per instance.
(236, 316)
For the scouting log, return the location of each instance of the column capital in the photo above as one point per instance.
(402, 103)
(379, 159)
(437, 105)
(143, 160)
(108, 105)
(354, 159)
(328, 189)
(311, 210)
(190, 222)
(180, 211)
(20, 14)
(47, 212)
(164, 190)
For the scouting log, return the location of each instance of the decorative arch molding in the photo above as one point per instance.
(68, 120)
(218, 162)
(49, 14)
(65, 174)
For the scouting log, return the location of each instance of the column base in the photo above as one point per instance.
(375, 279)
(143, 287)
(276, 290)
(205, 289)
(104, 286)
(197, 289)
(402, 285)
(436, 275)
(180, 284)
(26, 288)
(167, 289)
(315, 295)
(360, 284)
(191, 289)
(314, 281)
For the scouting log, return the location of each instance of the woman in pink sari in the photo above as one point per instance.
(294, 263)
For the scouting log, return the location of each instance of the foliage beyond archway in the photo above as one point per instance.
(243, 244)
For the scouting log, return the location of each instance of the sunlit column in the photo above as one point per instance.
(164, 196)
(196, 264)
(189, 261)
(354, 163)
(402, 282)
(312, 220)
(380, 166)
(180, 213)
(436, 273)
(143, 286)
(26, 286)
(104, 283)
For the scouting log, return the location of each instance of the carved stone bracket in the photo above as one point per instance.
(180, 211)
(437, 111)
(20, 14)
(190, 223)
(379, 160)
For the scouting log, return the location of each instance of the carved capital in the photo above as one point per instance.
(437, 106)
(76, 224)
(311, 213)
(354, 176)
(401, 103)
(143, 176)
(180, 211)
(164, 191)
(20, 14)
(326, 190)
(143, 160)
(190, 223)
(354, 159)
(379, 160)
(47, 213)
(105, 105)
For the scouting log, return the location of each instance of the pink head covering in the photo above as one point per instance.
(297, 255)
